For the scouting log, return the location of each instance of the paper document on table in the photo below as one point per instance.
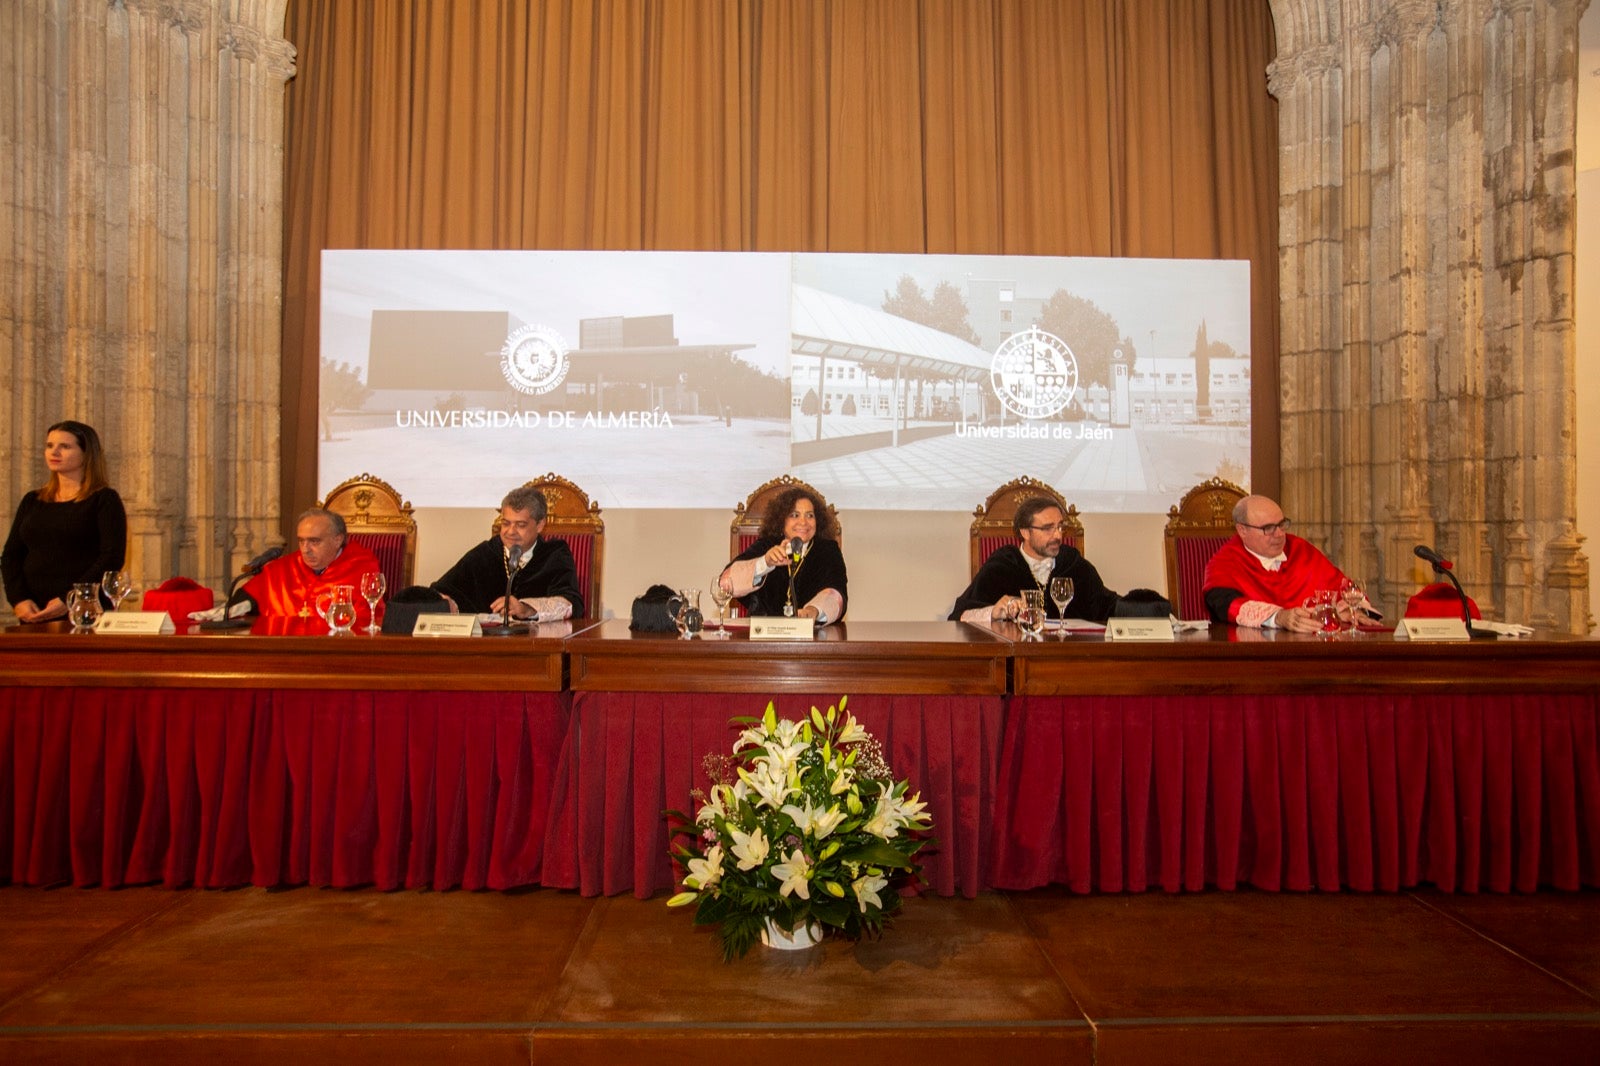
(1192, 626)
(1504, 629)
(1075, 625)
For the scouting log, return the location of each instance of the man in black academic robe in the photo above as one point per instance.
(1039, 556)
(545, 583)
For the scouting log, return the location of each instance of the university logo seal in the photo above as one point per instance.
(1034, 373)
(534, 359)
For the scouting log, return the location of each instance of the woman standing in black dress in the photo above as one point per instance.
(72, 530)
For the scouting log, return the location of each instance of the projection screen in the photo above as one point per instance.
(685, 379)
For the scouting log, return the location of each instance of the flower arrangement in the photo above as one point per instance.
(804, 826)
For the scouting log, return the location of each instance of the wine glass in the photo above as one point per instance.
(116, 586)
(372, 587)
(1351, 595)
(720, 596)
(1061, 595)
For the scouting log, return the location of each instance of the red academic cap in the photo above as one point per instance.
(178, 596)
(1439, 600)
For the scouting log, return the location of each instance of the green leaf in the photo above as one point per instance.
(879, 852)
(831, 912)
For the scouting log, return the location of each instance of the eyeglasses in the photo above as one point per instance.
(1056, 528)
(1270, 529)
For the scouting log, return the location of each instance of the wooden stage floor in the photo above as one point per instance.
(304, 975)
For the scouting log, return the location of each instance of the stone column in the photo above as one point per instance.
(1426, 236)
(143, 203)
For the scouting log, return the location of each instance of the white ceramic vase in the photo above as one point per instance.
(804, 936)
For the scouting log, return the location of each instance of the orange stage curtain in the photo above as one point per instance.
(1037, 127)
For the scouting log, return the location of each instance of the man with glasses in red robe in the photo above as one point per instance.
(1261, 577)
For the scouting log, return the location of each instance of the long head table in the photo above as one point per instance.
(1226, 660)
(286, 654)
(906, 658)
(1225, 757)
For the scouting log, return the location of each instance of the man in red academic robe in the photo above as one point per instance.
(288, 586)
(1261, 577)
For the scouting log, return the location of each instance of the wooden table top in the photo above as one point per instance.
(912, 658)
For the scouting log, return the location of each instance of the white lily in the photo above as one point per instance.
(794, 874)
(749, 848)
(715, 806)
(703, 873)
(814, 820)
(882, 824)
(786, 744)
(866, 890)
(768, 780)
(852, 733)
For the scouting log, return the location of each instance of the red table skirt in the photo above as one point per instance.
(1468, 793)
(226, 788)
(440, 790)
(634, 756)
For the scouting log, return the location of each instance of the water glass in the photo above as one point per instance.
(83, 605)
(337, 606)
(685, 608)
(1323, 607)
(1031, 617)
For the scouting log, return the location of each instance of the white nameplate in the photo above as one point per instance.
(447, 625)
(782, 628)
(135, 622)
(1139, 629)
(1435, 629)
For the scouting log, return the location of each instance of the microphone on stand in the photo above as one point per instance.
(796, 545)
(514, 556)
(1444, 566)
(251, 569)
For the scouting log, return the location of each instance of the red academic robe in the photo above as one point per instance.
(1305, 570)
(287, 587)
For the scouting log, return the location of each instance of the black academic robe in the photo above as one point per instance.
(1006, 573)
(480, 577)
(822, 568)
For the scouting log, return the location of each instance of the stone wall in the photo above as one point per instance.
(1426, 240)
(141, 199)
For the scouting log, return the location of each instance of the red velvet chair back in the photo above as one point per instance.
(1197, 526)
(992, 522)
(377, 517)
(390, 548)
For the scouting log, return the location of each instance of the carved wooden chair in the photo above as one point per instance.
(991, 523)
(747, 516)
(1197, 526)
(377, 517)
(574, 518)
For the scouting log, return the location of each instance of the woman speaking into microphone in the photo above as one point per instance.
(795, 566)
